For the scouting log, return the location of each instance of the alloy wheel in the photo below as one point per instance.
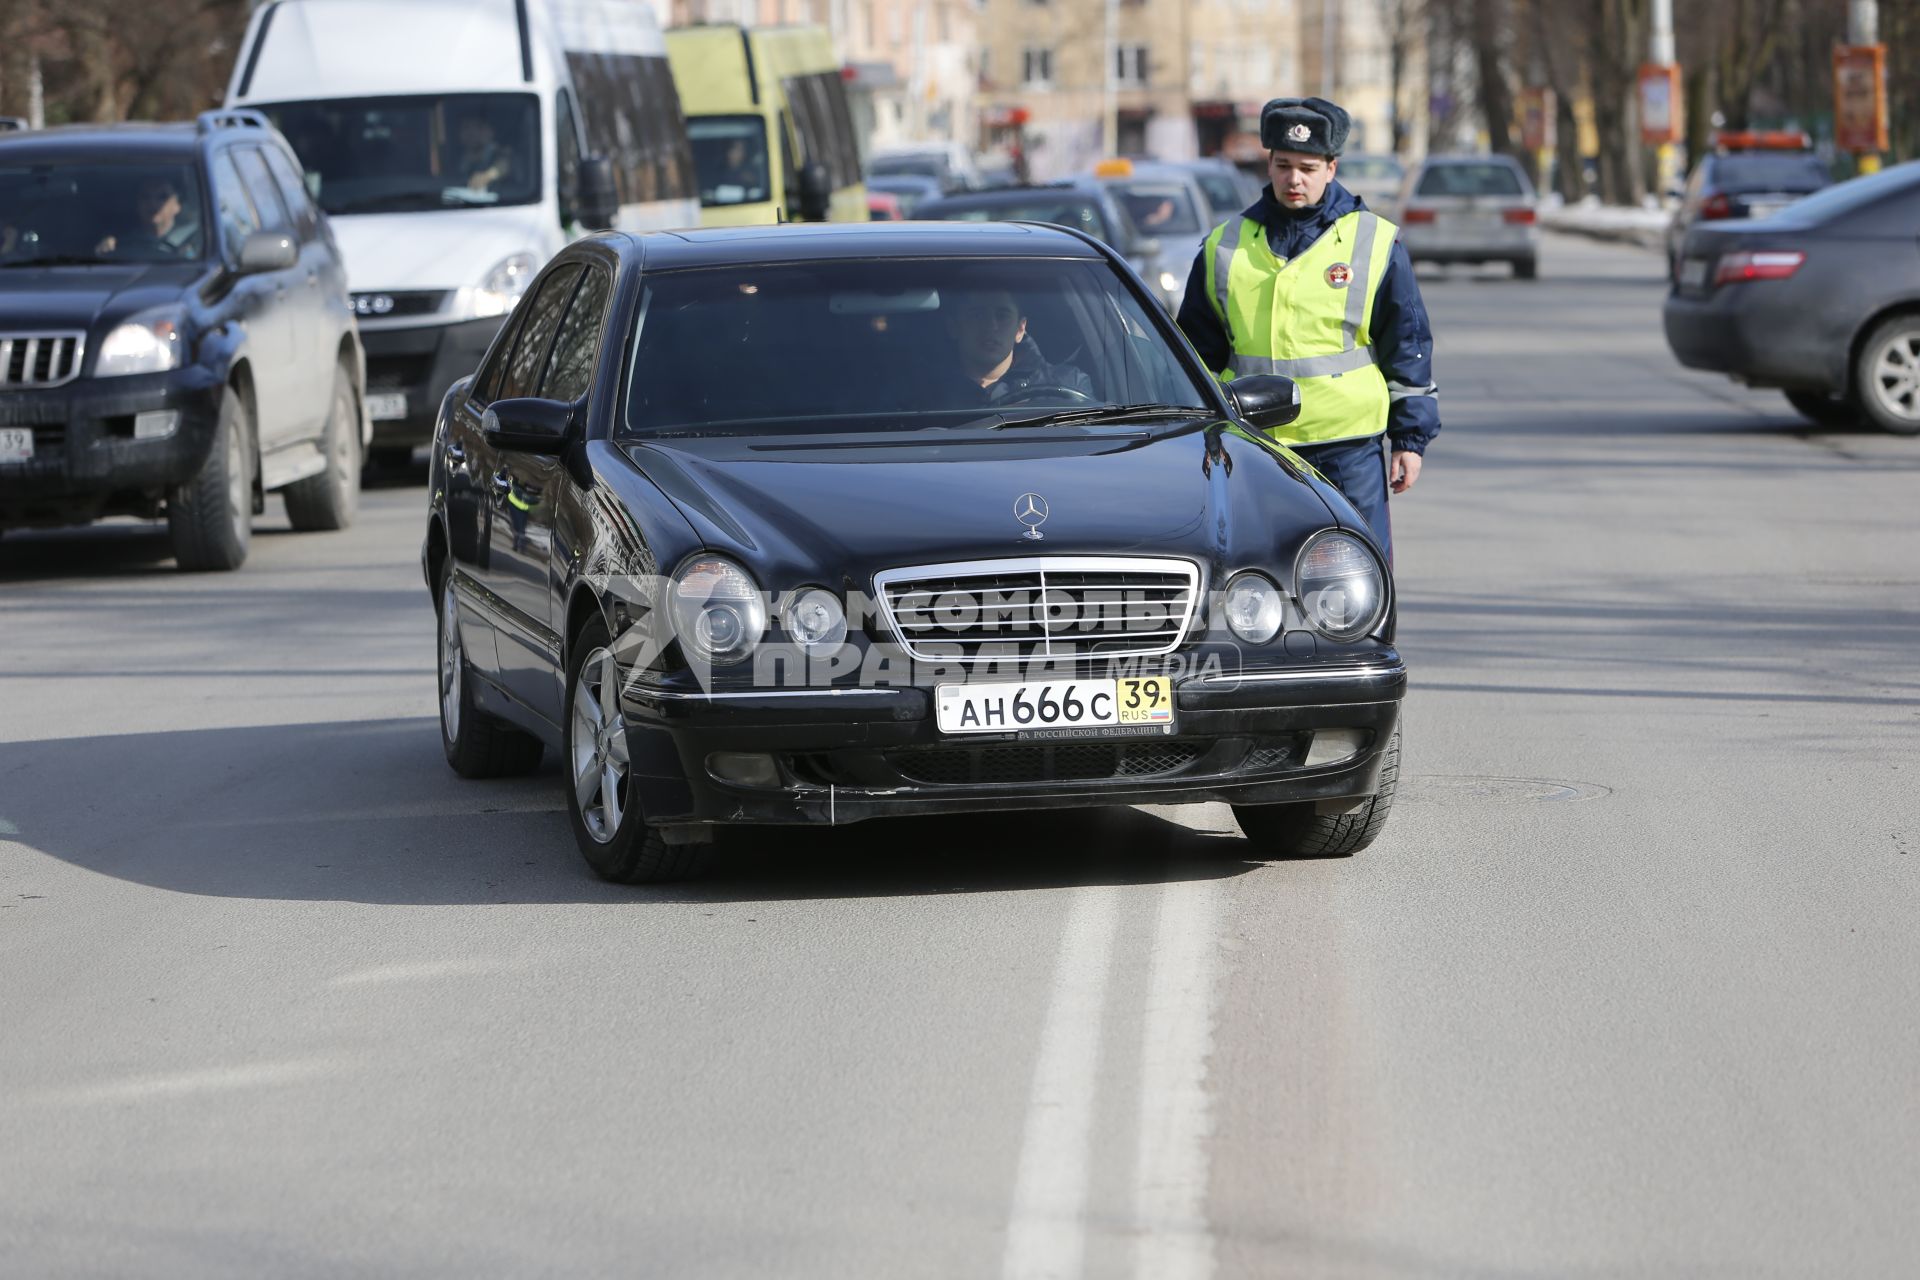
(597, 741)
(1896, 376)
(452, 665)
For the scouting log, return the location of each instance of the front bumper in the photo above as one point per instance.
(420, 363)
(846, 755)
(86, 462)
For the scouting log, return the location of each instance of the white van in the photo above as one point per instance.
(456, 145)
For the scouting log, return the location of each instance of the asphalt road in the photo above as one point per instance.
(1629, 987)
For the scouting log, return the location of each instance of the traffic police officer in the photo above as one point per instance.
(1309, 283)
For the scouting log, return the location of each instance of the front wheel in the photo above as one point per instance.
(210, 517)
(1296, 831)
(1886, 375)
(612, 833)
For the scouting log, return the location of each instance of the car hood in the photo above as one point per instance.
(87, 297)
(449, 249)
(840, 508)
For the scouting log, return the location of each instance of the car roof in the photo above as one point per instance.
(173, 141)
(839, 241)
(1020, 195)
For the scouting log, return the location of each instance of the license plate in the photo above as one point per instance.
(387, 406)
(16, 444)
(1693, 273)
(1127, 707)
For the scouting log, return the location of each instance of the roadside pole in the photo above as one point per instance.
(1660, 54)
(1859, 88)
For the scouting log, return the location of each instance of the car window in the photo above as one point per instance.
(1788, 172)
(1470, 180)
(893, 344)
(543, 309)
(238, 220)
(1223, 193)
(113, 211)
(570, 367)
(306, 219)
(260, 185)
(1160, 208)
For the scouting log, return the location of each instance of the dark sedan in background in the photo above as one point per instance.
(1747, 176)
(822, 524)
(1821, 300)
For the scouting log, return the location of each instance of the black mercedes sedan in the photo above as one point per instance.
(1821, 300)
(810, 525)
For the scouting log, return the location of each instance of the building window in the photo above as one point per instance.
(1037, 66)
(1130, 64)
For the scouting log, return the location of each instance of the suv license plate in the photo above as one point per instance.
(1128, 707)
(16, 444)
(388, 406)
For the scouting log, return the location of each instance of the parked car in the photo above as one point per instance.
(910, 189)
(176, 339)
(1821, 300)
(1747, 175)
(1228, 189)
(1470, 209)
(865, 582)
(1084, 205)
(457, 147)
(1376, 179)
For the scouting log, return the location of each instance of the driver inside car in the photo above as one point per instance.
(998, 361)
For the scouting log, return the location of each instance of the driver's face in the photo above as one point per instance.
(986, 327)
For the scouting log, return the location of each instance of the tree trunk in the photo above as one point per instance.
(1489, 67)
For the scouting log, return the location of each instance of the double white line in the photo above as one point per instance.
(1047, 1233)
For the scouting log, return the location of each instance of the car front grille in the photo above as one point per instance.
(396, 305)
(40, 359)
(398, 373)
(1050, 762)
(1041, 607)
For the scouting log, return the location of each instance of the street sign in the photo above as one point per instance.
(1537, 119)
(1860, 98)
(1660, 121)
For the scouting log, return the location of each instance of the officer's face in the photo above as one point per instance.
(1299, 180)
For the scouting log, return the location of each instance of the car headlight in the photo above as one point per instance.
(504, 285)
(1255, 608)
(1169, 282)
(816, 619)
(150, 342)
(718, 613)
(1343, 590)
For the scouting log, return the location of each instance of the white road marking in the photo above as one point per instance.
(184, 1083)
(424, 971)
(1170, 1176)
(1046, 1235)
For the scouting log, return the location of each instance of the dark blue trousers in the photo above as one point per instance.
(1358, 468)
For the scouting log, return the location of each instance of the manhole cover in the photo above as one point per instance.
(1440, 788)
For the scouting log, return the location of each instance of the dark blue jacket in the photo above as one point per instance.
(1402, 339)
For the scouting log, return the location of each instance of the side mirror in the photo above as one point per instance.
(598, 201)
(1265, 400)
(528, 425)
(267, 251)
(816, 192)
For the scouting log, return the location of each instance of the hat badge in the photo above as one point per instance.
(1299, 133)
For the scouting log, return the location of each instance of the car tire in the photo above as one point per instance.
(607, 823)
(476, 744)
(210, 517)
(1825, 410)
(1295, 831)
(1526, 269)
(1886, 375)
(329, 500)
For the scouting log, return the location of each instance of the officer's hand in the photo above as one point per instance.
(1406, 469)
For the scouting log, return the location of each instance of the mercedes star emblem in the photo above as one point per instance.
(1030, 509)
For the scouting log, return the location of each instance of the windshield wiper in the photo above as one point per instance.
(1102, 413)
(61, 260)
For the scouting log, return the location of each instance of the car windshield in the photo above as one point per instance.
(730, 155)
(1791, 172)
(74, 213)
(1066, 211)
(894, 345)
(1470, 180)
(1223, 194)
(431, 151)
(1160, 208)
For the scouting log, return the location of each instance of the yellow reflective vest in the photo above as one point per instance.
(1307, 318)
